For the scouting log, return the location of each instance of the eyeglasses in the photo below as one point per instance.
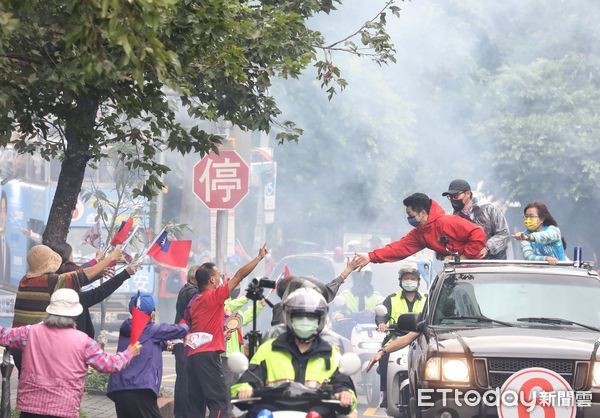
(455, 196)
(530, 216)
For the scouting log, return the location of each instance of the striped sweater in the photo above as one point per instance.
(33, 295)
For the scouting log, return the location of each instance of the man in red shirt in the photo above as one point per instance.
(205, 314)
(433, 229)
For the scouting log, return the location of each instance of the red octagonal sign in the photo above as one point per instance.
(221, 181)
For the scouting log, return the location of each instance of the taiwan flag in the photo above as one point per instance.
(173, 253)
(121, 235)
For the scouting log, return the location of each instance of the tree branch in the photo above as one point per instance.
(387, 4)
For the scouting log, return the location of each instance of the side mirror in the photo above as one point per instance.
(350, 364)
(237, 363)
(407, 322)
(381, 311)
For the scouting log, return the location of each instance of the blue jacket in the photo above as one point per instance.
(547, 242)
(144, 371)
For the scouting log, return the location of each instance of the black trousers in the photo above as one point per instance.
(183, 407)
(207, 384)
(28, 415)
(135, 403)
(382, 369)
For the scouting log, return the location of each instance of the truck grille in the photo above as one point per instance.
(500, 369)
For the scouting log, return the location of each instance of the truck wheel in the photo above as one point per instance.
(372, 389)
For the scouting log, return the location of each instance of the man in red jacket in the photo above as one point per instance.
(433, 229)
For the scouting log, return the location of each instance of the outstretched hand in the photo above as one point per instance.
(263, 251)
(135, 349)
(362, 259)
(374, 360)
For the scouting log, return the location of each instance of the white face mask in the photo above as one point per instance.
(410, 285)
(305, 327)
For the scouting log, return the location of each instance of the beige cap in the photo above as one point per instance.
(42, 260)
(65, 302)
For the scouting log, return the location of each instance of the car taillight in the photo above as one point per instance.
(313, 414)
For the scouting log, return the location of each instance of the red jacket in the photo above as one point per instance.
(465, 237)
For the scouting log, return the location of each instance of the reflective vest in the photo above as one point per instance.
(352, 302)
(279, 368)
(400, 306)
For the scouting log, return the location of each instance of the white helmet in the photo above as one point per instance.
(307, 301)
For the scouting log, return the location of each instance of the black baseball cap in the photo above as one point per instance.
(457, 186)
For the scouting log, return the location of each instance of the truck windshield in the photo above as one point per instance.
(510, 297)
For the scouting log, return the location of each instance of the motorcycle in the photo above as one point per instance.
(366, 341)
(292, 399)
(398, 392)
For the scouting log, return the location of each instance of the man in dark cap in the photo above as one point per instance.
(487, 215)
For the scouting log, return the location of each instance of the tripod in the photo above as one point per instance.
(254, 337)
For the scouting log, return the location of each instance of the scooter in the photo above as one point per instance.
(398, 392)
(292, 399)
(366, 341)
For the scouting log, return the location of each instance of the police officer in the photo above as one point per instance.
(362, 296)
(299, 355)
(406, 300)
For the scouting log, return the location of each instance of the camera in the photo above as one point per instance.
(255, 290)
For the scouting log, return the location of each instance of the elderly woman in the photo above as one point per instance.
(542, 239)
(56, 357)
(41, 280)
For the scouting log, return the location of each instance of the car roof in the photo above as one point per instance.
(519, 268)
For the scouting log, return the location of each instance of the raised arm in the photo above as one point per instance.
(95, 270)
(98, 294)
(397, 250)
(242, 273)
(334, 286)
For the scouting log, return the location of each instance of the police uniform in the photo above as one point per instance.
(279, 360)
(396, 305)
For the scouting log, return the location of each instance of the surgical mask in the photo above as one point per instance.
(409, 285)
(413, 221)
(305, 327)
(457, 205)
(531, 223)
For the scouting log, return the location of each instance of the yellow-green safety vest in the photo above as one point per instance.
(399, 306)
(280, 368)
(351, 301)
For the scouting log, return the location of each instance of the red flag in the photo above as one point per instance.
(121, 235)
(139, 320)
(286, 272)
(173, 253)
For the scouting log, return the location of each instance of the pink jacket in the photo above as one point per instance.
(55, 363)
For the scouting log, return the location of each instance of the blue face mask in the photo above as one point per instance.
(412, 221)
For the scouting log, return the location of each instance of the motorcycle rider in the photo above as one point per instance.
(299, 354)
(361, 298)
(407, 299)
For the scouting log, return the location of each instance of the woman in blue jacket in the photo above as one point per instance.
(542, 240)
(135, 389)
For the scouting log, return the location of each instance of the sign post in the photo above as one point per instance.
(221, 182)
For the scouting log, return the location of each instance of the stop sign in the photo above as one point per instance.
(221, 181)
